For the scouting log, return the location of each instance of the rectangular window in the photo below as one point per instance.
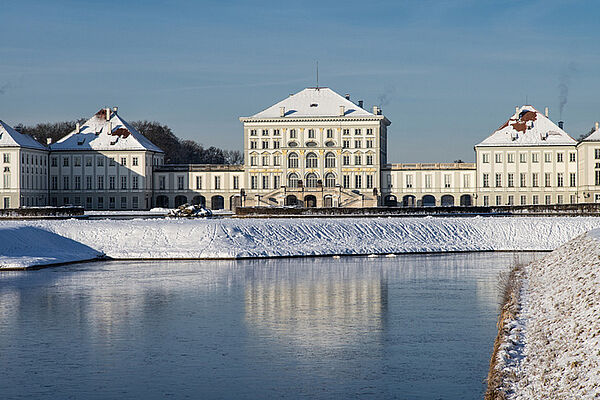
(276, 182)
(311, 133)
(276, 144)
(547, 157)
(100, 161)
(329, 133)
(123, 183)
(277, 160)
(53, 182)
(369, 159)
(265, 132)
(409, 181)
(123, 202)
(357, 144)
(572, 179)
(511, 180)
(292, 134)
(534, 157)
(252, 132)
(65, 162)
(369, 131)
(510, 157)
(559, 179)
(346, 132)
(236, 182)
(428, 181)
(559, 157)
(265, 161)
(265, 144)
(548, 199)
(485, 158)
(345, 159)
(253, 182)
(559, 199)
(6, 157)
(498, 157)
(77, 161)
(369, 143)
(253, 161)
(357, 160)
(180, 182)
(523, 157)
(124, 161)
(134, 162)
(346, 181)
(88, 202)
(534, 179)
(573, 199)
(358, 181)
(369, 181)
(162, 183)
(522, 179)
(217, 182)
(523, 200)
(112, 202)
(54, 162)
(597, 154)
(498, 180)
(77, 183)
(253, 144)
(447, 178)
(265, 181)
(112, 162)
(198, 182)
(547, 179)
(134, 183)
(511, 200)
(88, 183)
(597, 181)
(100, 202)
(571, 157)
(357, 131)
(275, 132)
(65, 183)
(498, 200)
(346, 144)
(486, 180)
(486, 201)
(134, 202)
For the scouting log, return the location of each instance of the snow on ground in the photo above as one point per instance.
(236, 238)
(25, 245)
(554, 348)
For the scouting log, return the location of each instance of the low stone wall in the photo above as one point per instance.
(591, 209)
(41, 212)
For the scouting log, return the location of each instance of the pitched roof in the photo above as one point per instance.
(314, 102)
(593, 137)
(99, 134)
(11, 138)
(528, 127)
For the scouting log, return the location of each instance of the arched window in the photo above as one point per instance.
(311, 180)
(330, 180)
(311, 160)
(329, 160)
(293, 160)
(293, 179)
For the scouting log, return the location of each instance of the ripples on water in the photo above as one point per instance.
(410, 327)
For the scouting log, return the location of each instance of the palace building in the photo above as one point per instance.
(314, 148)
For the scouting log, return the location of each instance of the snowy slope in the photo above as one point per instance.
(235, 238)
(558, 327)
(11, 138)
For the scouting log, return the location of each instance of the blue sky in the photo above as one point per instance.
(447, 73)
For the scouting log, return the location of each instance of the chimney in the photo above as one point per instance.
(561, 124)
(517, 110)
(375, 110)
(546, 112)
(596, 125)
(77, 128)
(347, 96)
(115, 109)
(108, 113)
(49, 141)
(282, 111)
(360, 103)
(342, 111)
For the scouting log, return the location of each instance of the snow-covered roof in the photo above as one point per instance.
(528, 127)
(99, 134)
(314, 102)
(593, 137)
(11, 138)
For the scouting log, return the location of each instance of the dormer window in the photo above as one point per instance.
(313, 104)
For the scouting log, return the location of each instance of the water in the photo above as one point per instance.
(411, 327)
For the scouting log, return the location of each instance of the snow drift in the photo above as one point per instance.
(239, 238)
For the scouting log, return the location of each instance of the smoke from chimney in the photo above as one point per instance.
(563, 86)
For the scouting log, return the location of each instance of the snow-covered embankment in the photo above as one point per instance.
(551, 349)
(238, 238)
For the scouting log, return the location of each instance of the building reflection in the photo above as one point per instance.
(316, 303)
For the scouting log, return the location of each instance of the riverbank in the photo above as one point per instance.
(550, 348)
(258, 238)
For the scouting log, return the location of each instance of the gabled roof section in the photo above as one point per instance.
(100, 133)
(11, 138)
(313, 102)
(593, 137)
(528, 127)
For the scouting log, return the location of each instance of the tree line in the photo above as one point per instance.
(177, 151)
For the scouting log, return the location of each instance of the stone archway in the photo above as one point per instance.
(428, 201)
(310, 201)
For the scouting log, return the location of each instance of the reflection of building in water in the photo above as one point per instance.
(317, 303)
